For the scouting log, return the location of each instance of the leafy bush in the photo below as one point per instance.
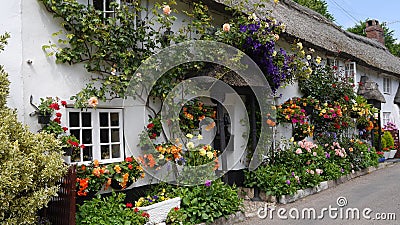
(110, 210)
(30, 164)
(205, 203)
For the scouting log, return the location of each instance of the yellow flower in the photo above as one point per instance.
(300, 45)
(208, 147)
(199, 137)
(276, 1)
(160, 156)
(274, 53)
(117, 169)
(190, 145)
(190, 136)
(210, 155)
(318, 60)
(202, 152)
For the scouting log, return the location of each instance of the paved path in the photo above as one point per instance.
(377, 194)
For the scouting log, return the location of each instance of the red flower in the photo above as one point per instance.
(337, 126)
(153, 136)
(57, 120)
(63, 103)
(136, 210)
(335, 67)
(346, 98)
(176, 208)
(333, 85)
(82, 146)
(128, 159)
(58, 114)
(145, 214)
(130, 166)
(65, 129)
(129, 205)
(150, 126)
(55, 106)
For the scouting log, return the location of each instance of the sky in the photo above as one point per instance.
(347, 13)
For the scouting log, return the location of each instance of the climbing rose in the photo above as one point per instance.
(166, 10)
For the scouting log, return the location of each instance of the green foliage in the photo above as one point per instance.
(30, 164)
(320, 6)
(109, 210)
(387, 140)
(390, 40)
(175, 216)
(304, 165)
(205, 204)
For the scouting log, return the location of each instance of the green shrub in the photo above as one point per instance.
(30, 165)
(110, 210)
(203, 203)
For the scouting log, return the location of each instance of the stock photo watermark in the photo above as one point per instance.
(340, 211)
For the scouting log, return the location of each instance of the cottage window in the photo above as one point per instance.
(387, 85)
(100, 131)
(350, 72)
(385, 117)
(104, 6)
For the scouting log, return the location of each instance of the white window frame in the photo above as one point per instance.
(385, 117)
(96, 145)
(350, 71)
(387, 85)
(104, 10)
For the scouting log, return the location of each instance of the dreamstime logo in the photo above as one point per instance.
(203, 86)
(331, 212)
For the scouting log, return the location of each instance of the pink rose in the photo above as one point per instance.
(166, 10)
(226, 27)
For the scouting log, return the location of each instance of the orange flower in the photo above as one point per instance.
(96, 163)
(201, 117)
(83, 167)
(271, 123)
(152, 162)
(117, 169)
(108, 183)
(210, 126)
(96, 172)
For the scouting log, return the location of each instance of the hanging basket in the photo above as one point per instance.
(44, 119)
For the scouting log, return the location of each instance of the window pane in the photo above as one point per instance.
(104, 137)
(86, 119)
(87, 153)
(73, 119)
(115, 151)
(105, 152)
(114, 119)
(114, 135)
(87, 136)
(98, 4)
(76, 133)
(104, 119)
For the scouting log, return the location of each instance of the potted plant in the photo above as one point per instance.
(158, 205)
(124, 173)
(71, 147)
(47, 107)
(387, 143)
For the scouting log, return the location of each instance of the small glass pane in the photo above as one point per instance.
(73, 119)
(76, 133)
(87, 153)
(105, 152)
(115, 151)
(86, 119)
(104, 119)
(104, 137)
(76, 155)
(87, 136)
(114, 135)
(114, 119)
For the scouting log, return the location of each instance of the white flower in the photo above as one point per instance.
(190, 145)
(190, 136)
(312, 50)
(226, 27)
(210, 155)
(274, 53)
(113, 71)
(199, 137)
(308, 57)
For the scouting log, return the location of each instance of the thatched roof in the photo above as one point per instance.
(318, 32)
